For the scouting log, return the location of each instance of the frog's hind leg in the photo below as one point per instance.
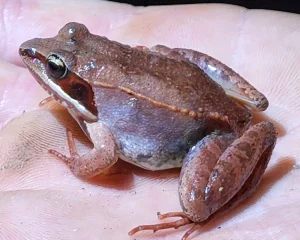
(234, 85)
(233, 178)
(220, 172)
(98, 161)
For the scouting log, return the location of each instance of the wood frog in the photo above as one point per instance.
(157, 108)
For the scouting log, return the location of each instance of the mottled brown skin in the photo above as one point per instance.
(157, 108)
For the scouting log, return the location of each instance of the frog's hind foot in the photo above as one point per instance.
(175, 224)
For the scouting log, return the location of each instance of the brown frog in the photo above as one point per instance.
(157, 108)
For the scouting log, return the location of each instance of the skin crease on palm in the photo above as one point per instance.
(39, 196)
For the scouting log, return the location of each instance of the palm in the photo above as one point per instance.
(40, 198)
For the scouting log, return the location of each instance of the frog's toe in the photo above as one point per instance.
(175, 224)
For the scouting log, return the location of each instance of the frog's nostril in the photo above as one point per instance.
(30, 52)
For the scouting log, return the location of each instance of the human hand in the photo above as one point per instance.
(39, 196)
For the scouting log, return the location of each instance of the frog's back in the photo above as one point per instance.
(177, 85)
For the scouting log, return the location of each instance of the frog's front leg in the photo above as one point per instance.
(234, 85)
(220, 172)
(98, 160)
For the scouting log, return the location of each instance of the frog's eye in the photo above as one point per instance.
(78, 92)
(56, 66)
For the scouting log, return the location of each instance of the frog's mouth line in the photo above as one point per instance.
(38, 70)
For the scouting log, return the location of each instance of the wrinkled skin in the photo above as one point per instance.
(60, 202)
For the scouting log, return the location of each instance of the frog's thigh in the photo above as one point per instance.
(234, 85)
(101, 158)
(211, 177)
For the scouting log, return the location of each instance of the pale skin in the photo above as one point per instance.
(67, 197)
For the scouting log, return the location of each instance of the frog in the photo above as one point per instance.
(157, 108)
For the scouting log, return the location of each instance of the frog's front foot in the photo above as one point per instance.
(98, 161)
(220, 172)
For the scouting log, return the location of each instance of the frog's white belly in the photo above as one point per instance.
(148, 156)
